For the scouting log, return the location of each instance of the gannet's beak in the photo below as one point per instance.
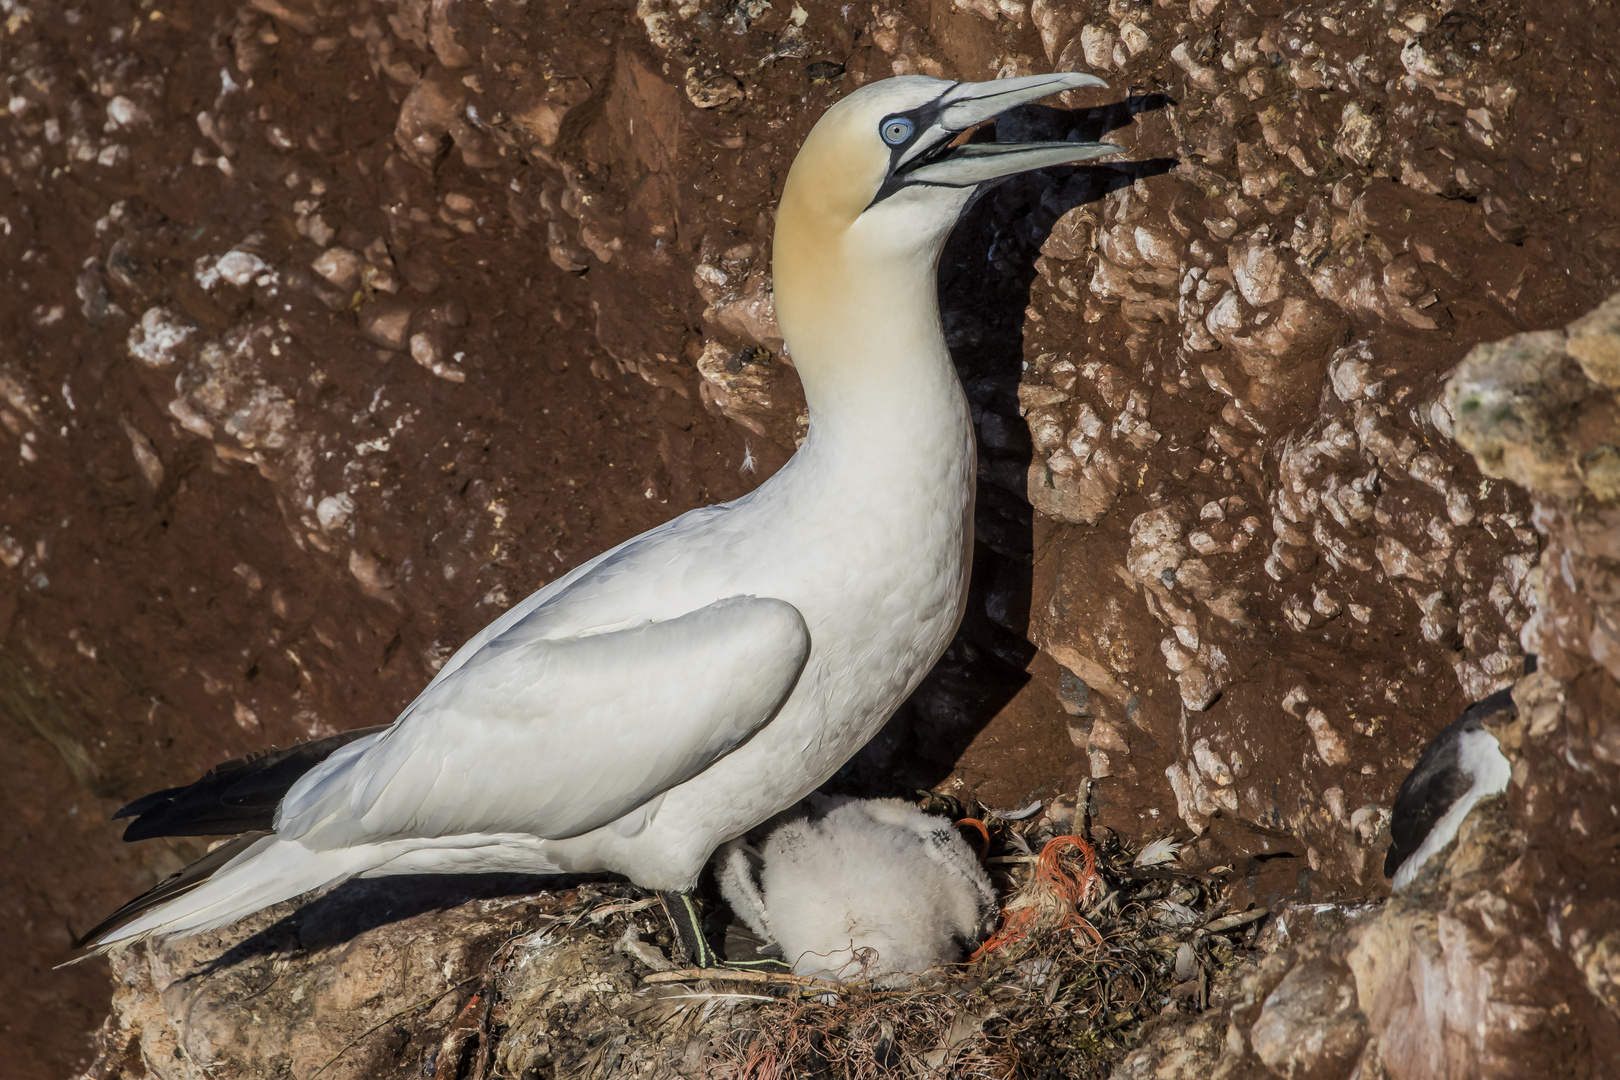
(920, 138)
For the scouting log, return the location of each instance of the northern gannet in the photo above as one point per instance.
(873, 889)
(676, 691)
(1461, 767)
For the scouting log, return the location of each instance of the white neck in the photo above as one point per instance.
(863, 327)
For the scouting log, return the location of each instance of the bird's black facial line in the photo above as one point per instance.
(932, 154)
(921, 119)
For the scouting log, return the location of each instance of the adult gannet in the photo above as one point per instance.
(683, 687)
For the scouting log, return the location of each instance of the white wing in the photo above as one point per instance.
(575, 599)
(558, 737)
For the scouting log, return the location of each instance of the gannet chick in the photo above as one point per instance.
(875, 888)
(678, 690)
(1462, 766)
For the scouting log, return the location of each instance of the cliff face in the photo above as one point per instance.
(1500, 959)
(334, 328)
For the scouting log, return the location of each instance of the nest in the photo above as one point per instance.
(1090, 950)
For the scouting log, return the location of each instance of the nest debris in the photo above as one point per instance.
(1092, 951)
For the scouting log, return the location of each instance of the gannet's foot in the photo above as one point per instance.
(687, 920)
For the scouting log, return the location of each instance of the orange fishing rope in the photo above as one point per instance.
(983, 831)
(1069, 892)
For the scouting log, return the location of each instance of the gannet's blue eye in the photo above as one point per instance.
(897, 130)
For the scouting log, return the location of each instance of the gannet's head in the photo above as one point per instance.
(878, 179)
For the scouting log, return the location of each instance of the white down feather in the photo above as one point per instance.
(875, 888)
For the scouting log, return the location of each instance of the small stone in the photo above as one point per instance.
(1351, 378)
(710, 91)
(1359, 134)
(317, 229)
(240, 267)
(441, 35)
(146, 457)
(1399, 561)
(1198, 689)
(155, 338)
(373, 578)
(1098, 44)
(1205, 78)
(340, 266)
(1329, 745)
(1155, 545)
(334, 510)
(427, 352)
(1033, 396)
(387, 325)
(1257, 268)
(122, 112)
(426, 116)
(1135, 38)
(236, 266)
(1512, 403)
(565, 255)
(247, 719)
(1210, 764)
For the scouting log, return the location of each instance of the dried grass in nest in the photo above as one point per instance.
(1083, 959)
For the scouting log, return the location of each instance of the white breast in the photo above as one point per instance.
(880, 575)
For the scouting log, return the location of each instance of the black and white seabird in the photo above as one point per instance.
(1462, 766)
(685, 686)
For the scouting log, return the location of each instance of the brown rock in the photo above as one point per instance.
(340, 266)
(712, 90)
(428, 113)
(1594, 341)
(1311, 1027)
(388, 325)
(1513, 406)
(442, 35)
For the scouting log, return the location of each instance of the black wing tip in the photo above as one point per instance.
(176, 884)
(147, 803)
(240, 795)
(149, 828)
(111, 922)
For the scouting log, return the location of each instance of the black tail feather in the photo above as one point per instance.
(236, 796)
(182, 881)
